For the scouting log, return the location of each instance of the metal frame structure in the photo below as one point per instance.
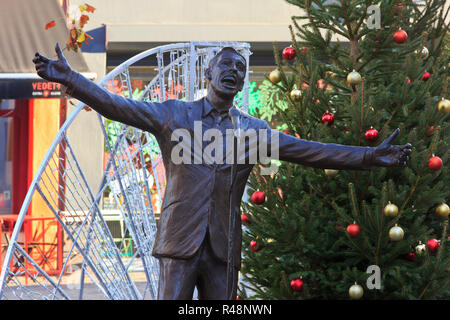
(62, 185)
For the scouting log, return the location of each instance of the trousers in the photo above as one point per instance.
(179, 277)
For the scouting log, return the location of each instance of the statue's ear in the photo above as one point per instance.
(208, 74)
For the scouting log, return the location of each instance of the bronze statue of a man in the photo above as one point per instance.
(191, 242)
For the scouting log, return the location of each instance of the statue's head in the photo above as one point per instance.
(226, 72)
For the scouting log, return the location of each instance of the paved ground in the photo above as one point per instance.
(70, 284)
(91, 292)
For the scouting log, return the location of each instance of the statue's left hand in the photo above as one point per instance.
(388, 155)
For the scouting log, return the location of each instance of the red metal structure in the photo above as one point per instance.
(46, 247)
(48, 251)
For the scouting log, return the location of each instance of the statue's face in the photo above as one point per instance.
(227, 74)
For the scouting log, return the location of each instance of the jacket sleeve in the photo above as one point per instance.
(317, 154)
(148, 116)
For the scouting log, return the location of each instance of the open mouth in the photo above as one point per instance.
(229, 81)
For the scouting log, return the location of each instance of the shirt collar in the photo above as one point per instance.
(208, 108)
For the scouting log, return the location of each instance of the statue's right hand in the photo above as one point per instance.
(52, 70)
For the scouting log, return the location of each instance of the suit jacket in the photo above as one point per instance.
(197, 194)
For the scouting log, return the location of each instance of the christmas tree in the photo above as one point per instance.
(356, 70)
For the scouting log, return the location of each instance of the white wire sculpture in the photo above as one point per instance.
(62, 185)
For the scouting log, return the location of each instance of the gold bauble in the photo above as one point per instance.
(425, 53)
(331, 172)
(354, 78)
(391, 210)
(275, 76)
(444, 106)
(355, 292)
(421, 248)
(442, 210)
(296, 94)
(396, 233)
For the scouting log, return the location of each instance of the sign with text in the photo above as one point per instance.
(43, 89)
(29, 89)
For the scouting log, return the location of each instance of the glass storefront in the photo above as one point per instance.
(6, 155)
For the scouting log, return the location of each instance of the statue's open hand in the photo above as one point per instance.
(52, 70)
(388, 155)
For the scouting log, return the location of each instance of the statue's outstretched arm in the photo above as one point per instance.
(146, 116)
(336, 156)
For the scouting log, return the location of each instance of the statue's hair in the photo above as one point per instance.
(214, 59)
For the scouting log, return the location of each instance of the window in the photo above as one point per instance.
(13, 154)
(6, 155)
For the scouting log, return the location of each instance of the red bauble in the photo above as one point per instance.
(254, 246)
(297, 284)
(289, 53)
(435, 163)
(426, 76)
(353, 230)
(305, 50)
(400, 36)
(410, 256)
(258, 197)
(371, 135)
(399, 9)
(245, 219)
(328, 118)
(432, 245)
